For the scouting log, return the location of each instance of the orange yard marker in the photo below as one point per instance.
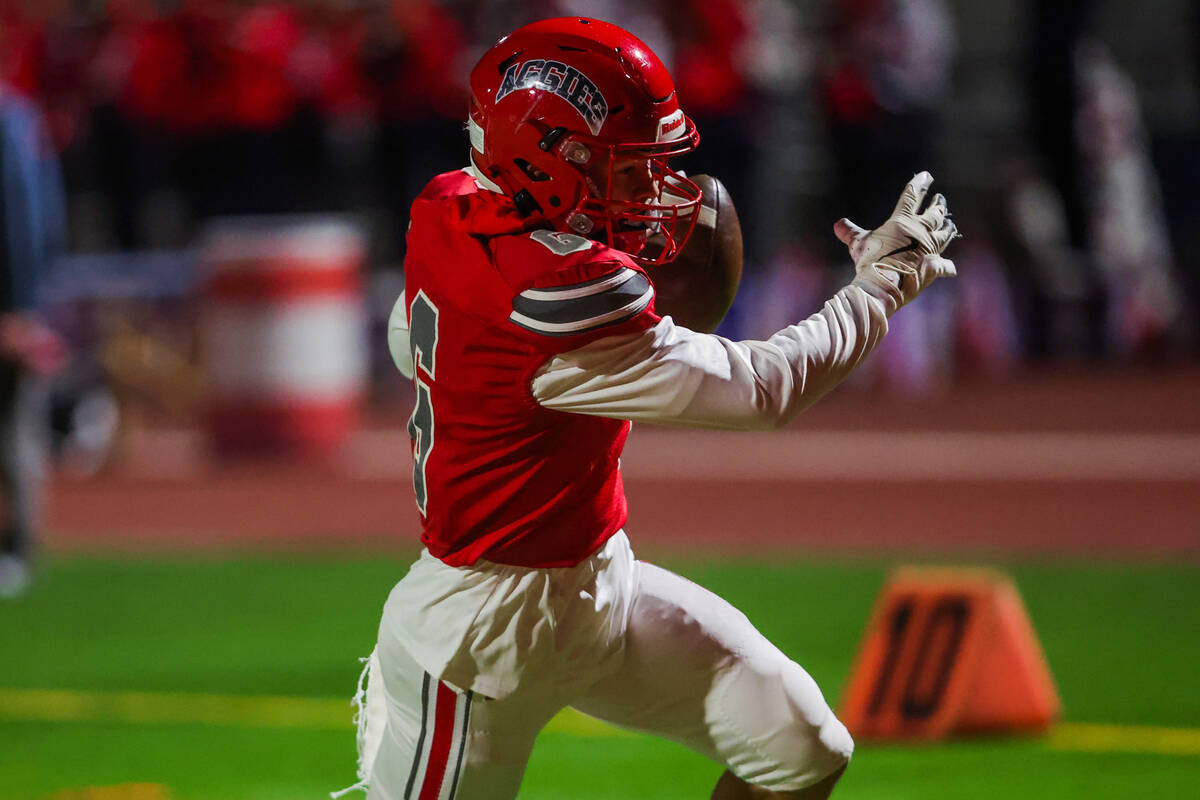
(948, 651)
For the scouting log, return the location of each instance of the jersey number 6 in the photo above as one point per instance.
(423, 326)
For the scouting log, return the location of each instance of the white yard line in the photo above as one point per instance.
(331, 714)
(1092, 738)
(150, 708)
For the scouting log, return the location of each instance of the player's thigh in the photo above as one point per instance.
(441, 743)
(698, 672)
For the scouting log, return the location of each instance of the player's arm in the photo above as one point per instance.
(672, 375)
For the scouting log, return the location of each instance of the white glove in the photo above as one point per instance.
(902, 256)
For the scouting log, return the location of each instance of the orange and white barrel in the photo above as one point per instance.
(283, 334)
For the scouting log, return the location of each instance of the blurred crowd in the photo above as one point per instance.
(233, 107)
(167, 113)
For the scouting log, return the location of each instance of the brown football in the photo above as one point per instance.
(697, 288)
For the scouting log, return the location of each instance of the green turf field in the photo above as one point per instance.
(224, 679)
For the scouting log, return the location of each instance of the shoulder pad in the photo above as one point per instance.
(526, 258)
(449, 184)
(566, 285)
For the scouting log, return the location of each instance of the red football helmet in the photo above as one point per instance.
(555, 105)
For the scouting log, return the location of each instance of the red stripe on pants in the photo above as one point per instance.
(439, 749)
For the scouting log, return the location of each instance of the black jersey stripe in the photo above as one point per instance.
(412, 775)
(462, 745)
(585, 308)
(635, 305)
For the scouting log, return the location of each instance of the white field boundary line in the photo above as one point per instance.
(672, 455)
(326, 714)
(1093, 738)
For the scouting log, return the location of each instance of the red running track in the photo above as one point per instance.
(158, 499)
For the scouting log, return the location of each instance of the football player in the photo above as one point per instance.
(529, 327)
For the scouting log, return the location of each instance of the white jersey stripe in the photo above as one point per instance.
(617, 278)
(626, 311)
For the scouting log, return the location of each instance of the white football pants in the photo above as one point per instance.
(675, 661)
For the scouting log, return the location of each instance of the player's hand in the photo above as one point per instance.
(904, 254)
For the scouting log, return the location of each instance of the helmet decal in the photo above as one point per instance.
(670, 127)
(565, 81)
(555, 161)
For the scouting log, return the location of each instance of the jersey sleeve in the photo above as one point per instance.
(568, 291)
(669, 374)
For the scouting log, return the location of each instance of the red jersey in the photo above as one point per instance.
(491, 297)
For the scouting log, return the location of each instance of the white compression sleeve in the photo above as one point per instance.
(676, 376)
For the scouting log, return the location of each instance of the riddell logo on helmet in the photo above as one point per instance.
(669, 126)
(567, 82)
